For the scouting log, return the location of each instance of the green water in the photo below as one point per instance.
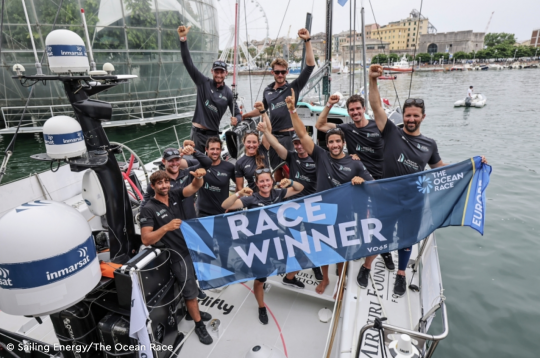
(491, 285)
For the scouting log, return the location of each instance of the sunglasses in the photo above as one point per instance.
(172, 152)
(334, 130)
(263, 170)
(419, 102)
(281, 72)
(252, 131)
(221, 64)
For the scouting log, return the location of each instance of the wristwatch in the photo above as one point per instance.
(262, 112)
(307, 40)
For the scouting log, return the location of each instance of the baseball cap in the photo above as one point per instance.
(295, 137)
(219, 64)
(171, 153)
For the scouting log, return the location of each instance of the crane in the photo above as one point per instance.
(485, 31)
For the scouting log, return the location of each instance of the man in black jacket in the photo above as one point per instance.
(274, 99)
(213, 96)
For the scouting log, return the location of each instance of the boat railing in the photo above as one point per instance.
(421, 337)
(315, 79)
(140, 109)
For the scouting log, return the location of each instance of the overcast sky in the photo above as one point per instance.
(518, 16)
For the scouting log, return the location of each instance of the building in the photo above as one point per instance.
(138, 40)
(535, 38)
(403, 34)
(452, 42)
(373, 47)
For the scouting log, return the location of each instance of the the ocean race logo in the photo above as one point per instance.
(359, 148)
(423, 184)
(344, 169)
(4, 278)
(278, 105)
(210, 106)
(66, 271)
(407, 162)
(373, 135)
(422, 147)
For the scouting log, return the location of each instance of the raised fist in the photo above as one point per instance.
(246, 191)
(333, 99)
(303, 34)
(188, 150)
(375, 71)
(285, 183)
(199, 173)
(259, 106)
(188, 142)
(183, 31)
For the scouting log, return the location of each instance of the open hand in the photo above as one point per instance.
(303, 34)
(355, 157)
(199, 173)
(357, 181)
(183, 31)
(290, 100)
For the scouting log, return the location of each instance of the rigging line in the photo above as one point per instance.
(2, 26)
(384, 52)
(248, 55)
(416, 45)
(275, 46)
(11, 145)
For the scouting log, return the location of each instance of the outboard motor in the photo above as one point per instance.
(234, 137)
(468, 102)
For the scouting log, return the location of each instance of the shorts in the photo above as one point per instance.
(185, 273)
(286, 141)
(200, 136)
(263, 280)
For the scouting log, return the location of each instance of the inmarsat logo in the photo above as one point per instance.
(83, 251)
(424, 184)
(4, 277)
(79, 48)
(50, 137)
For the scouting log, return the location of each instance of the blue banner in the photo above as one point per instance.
(337, 225)
(66, 50)
(60, 139)
(46, 271)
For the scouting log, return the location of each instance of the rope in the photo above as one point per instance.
(275, 45)
(415, 46)
(247, 46)
(384, 52)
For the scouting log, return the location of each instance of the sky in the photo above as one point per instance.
(519, 16)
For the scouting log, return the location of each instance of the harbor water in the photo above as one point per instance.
(490, 282)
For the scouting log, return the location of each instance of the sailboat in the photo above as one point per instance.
(94, 312)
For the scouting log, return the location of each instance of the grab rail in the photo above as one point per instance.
(428, 337)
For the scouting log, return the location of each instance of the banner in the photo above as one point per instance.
(341, 224)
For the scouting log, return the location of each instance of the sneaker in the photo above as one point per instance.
(203, 335)
(293, 283)
(263, 316)
(205, 316)
(400, 286)
(363, 277)
(201, 295)
(318, 273)
(388, 261)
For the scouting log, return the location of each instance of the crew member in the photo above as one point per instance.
(246, 198)
(216, 182)
(333, 167)
(274, 99)
(362, 137)
(255, 156)
(160, 221)
(178, 170)
(406, 151)
(213, 96)
(470, 92)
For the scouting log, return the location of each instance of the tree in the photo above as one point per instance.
(524, 51)
(423, 57)
(393, 57)
(380, 58)
(460, 55)
(494, 39)
(437, 56)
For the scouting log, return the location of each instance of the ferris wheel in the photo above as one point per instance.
(253, 31)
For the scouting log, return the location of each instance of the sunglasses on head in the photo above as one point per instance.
(419, 102)
(281, 72)
(263, 170)
(221, 64)
(172, 152)
(334, 130)
(252, 131)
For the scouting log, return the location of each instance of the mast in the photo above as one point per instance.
(308, 27)
(353, 48)
(236, 33)
(328, 54)
(364, 68)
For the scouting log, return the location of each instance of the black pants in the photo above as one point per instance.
(285, 139)
(200, 136)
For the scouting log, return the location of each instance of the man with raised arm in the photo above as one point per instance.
(274, 99)
(333, 166)
(406, 151)
(213, 96)
(160, 221)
